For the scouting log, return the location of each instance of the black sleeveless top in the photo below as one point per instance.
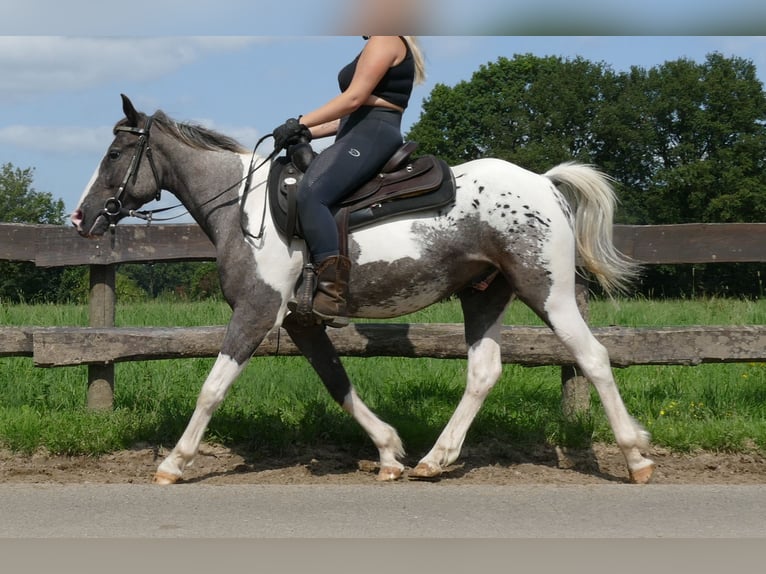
(395, 87)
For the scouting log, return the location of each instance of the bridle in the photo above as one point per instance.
(113, 208)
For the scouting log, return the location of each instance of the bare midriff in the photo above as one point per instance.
(374, 100)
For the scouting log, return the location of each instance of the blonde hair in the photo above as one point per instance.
(417, 55)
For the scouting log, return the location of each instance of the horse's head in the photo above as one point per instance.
(126, 178)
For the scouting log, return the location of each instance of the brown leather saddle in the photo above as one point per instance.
(403, 186)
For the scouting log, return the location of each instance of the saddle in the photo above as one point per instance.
(403, 186)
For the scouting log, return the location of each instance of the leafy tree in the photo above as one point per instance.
(533, 111)
(685, 141)
(20, 203)
(704, 143)
(205, 283)
(74, 287)
(700, 130)
(195, 280)
(623, 149)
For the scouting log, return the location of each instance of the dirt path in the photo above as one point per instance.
(221, 465)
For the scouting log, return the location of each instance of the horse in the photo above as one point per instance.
(525, 228)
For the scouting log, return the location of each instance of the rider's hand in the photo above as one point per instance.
(290, 132)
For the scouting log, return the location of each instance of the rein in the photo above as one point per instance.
(113, 209)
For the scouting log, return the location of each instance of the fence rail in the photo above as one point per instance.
(59, 246)
(101, 344)
(527, 346)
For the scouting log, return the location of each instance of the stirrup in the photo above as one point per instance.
(302, 305)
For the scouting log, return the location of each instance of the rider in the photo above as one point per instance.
(366, 120)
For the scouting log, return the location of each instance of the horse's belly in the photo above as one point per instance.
(390, 289)
(403, 266)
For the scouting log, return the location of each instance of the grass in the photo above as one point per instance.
(278, 402)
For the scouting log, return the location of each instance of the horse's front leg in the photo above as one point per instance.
(316, 346)
(221, 376)
(241, 339)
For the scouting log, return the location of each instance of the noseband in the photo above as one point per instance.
(113, 206)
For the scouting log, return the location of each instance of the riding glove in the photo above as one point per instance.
(289, 133)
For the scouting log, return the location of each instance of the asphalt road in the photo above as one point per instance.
(403, 510)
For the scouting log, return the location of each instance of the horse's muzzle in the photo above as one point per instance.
(99, 227)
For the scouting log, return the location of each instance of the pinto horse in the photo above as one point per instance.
(529, 228)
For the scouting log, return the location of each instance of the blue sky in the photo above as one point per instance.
(59, 95)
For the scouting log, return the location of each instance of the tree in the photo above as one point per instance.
(693, 149)
(533, 111)
(704, 142)
(685, 141)
(187, 279)
(20, 203)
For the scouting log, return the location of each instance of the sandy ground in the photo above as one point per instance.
(216, 464)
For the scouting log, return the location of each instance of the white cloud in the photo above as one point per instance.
(32, 65)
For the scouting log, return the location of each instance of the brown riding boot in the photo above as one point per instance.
(332, 290)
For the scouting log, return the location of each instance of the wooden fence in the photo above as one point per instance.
(101, 344)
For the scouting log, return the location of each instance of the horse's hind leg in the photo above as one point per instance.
(316, 346)
(483, 315)
(561, 313)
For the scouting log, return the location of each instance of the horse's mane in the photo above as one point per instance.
(196, 136)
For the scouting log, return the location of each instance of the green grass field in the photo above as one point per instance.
(279, 403)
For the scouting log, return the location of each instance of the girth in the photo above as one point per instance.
(403, 186)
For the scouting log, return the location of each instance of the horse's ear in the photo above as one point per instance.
(130, 111)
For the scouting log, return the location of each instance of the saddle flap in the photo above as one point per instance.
(416, 177)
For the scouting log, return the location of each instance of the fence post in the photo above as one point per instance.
(575, 389)
(101, 314)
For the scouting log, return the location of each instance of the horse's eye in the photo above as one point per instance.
(114, 154)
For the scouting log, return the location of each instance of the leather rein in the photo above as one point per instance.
(113, 207)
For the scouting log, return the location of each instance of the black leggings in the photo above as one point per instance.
(365, 141)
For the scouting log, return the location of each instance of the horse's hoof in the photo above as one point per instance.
(165, 478)
(389, 473)
(424, 471)
(642, 475)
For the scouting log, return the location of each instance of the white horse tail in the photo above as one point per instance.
(592, 198)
